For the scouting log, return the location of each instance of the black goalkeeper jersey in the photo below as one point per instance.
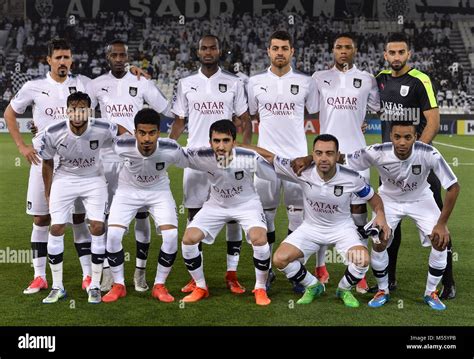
(405, 98)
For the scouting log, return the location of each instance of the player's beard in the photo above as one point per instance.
(280, 64)
(62, 71)
(398, 67)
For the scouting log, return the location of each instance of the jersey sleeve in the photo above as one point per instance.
(283, 169)
(426, 95)
(252, 101)
(91, 91)
(442, 170)
(361, 159)
(47, 150)
(362, 189)
(312, 98)
(180, 103)
(197, 158)
(264, 169)
(23, 98)
(111, 134)
(373, 102)
(157, 100)
(240, 100)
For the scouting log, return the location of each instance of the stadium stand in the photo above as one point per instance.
(167, 49)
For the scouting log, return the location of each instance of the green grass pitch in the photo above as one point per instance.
(223, 308)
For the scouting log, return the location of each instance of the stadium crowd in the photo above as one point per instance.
(167, 49)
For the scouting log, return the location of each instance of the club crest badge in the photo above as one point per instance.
(94, 144)
(404, 90)
(338, 191)
(72, 90)
(222, 88)
(160, 166)
(239, 175)
(357, 83)
(416, 169)
(294, 89)
(133, 91)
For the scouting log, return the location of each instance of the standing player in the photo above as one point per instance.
(77, 141)
(327, 192)
(120, 96)
(404, 166)
(47, 96)
(144, 182)
(279, 96)
(232, 197)
(345, 93)
(203, 98)
(407, 93)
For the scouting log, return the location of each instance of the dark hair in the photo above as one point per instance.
(57, 44)
(280, 35)
(345, 34)
(327, 138)
(213, 37)
(147, 116)
(223, 126)
(77, 97)
(401, 123)
(116, 42)
(398, 37)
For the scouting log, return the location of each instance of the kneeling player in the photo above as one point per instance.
(144, 183)
(327, 190)
(232, 198)
(404, 166)
(77, 141)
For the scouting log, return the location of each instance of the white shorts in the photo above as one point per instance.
(354, 198)
(211, 218)
(308, 239)
(129, 200)
(425, 214)
(196, 187)
(36, 204)
(269, 193)
(65, 191)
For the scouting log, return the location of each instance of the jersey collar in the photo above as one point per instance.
(352, 69)
(53, 81)
(219, 71)
(280, 77)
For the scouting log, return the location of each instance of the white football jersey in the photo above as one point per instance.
(232, 185)
(48, 98)
(403, 180)
(344, 98)
(120, 99)
(78, 155)
(280, 102)
(146, 172)
(326, 204)
(206, 100)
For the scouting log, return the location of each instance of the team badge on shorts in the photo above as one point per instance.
(416, 169)
(357, 83)
(160, 166)
(29, 205)
(94, 144)
(338, 191)
(132, 91)
(404, 90)
(294, 89)
(72, 90)
(222, 88)
(239, 175)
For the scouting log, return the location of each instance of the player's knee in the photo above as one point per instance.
(280, 259)
(191, 237)
(437, 247)
(97, 228)
(78, 218)
(359, 256)
(42, 221)
(57, 229)
(258, 236)
(379, 247)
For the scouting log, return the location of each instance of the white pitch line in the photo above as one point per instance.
(453, 146)
(461, 164)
